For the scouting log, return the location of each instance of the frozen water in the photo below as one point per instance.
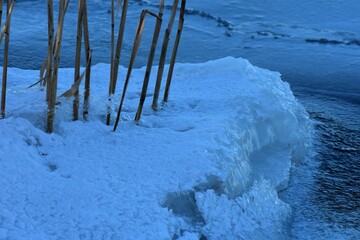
(208, 165)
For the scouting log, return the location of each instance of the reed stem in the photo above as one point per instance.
(77, 59)
(116, 61)
(10, 7)
(111, 59)
(1, 10)
(175, 49)
(88, 62)
(53, 89)
(135, 49)
(49, 67)
(163, 55)
(150, 61)
(6, 56)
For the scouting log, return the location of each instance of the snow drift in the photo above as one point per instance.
(208, 164)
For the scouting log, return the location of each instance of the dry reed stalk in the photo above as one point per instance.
(77, 59)
(6, 56)
(174, 53)
(75, 86)
(150, 61)
(163, 55)
(88, 62)
(41, 79)
(111, 58)
(51, 46)
(54, 78)
(116, 60)
(1, 10)
(10, 7)
(112, 40)
(135, 49)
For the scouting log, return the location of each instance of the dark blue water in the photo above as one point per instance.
(314, 44)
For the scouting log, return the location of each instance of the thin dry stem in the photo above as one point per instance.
(88, 62)
(175, 49)
(75, 86)
(77, 59)
(116, 61)
(51, 46)
(150, 61)
(163, 55)
(135, 49)
(111, 58)
(6, 57)
(53, 89)
(10, 7)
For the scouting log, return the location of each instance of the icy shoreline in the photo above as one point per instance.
(209, 163)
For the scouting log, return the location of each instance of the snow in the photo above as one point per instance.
(208, 164)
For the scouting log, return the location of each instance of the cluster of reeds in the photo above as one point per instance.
(54, 47)
(50, 68)
(5, 32)
(162, 60)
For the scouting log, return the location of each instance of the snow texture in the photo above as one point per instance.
(207, 165)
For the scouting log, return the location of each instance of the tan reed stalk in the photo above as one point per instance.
(40, 80)
(75, 86)
(112, 40)
(6, 56)
(174, 53)
(1, 10)
(150, 61)
(111, 58)
(50, 48)
(88, 62)
(163, 55)
(135, 49)
(116, 61)
(10, 7)
(53, 89)
(77, 59)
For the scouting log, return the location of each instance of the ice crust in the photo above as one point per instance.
(208, 164)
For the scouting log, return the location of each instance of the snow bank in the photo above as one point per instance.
(209, 163)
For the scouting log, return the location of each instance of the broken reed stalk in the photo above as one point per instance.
(174, 53)
(88, 62)
(150, 61)
(54, 77)
(6, 55)
(49, 68)
(135, 49)
(75, 86)
(163, 55)
(77, 59)
(116, 60)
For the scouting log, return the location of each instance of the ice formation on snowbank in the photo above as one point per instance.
(209, 163)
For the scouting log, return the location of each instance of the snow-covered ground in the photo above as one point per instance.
(208, 164)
